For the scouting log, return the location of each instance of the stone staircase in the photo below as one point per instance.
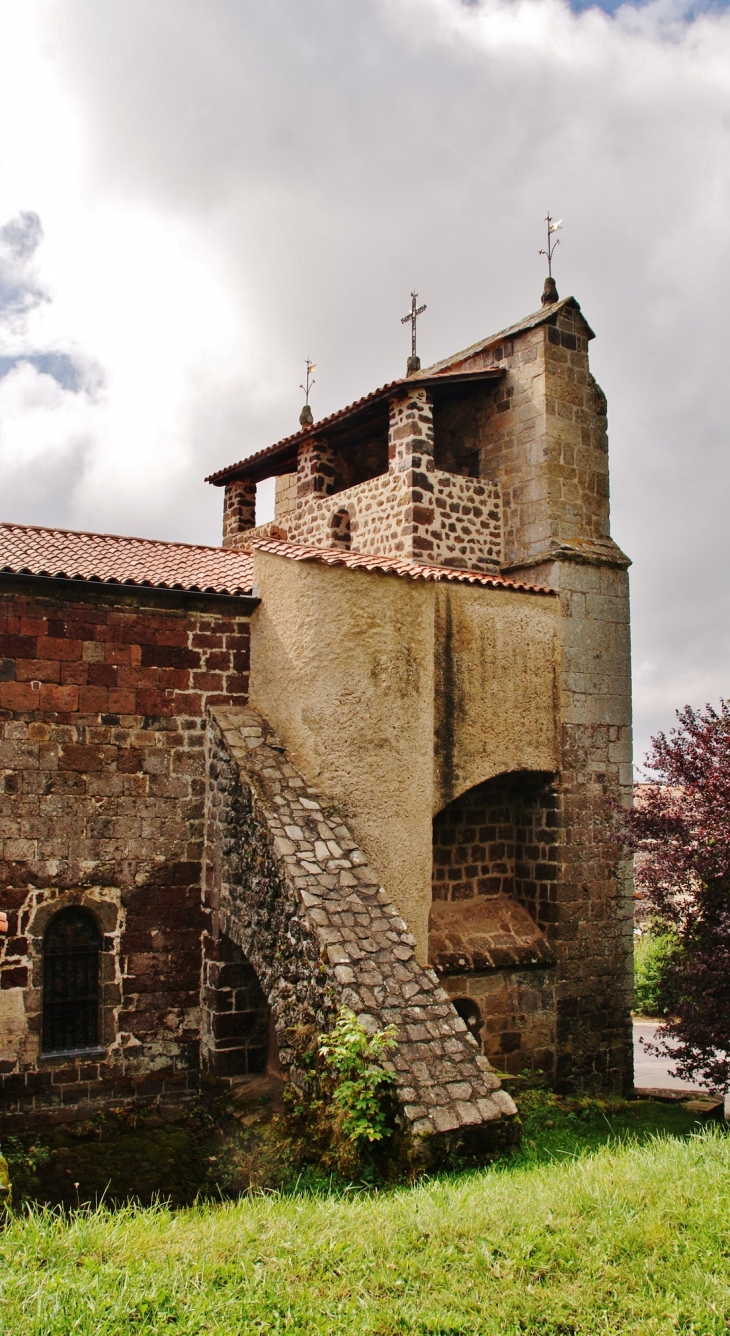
(287, 883)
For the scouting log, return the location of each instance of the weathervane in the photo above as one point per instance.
(550, 292)
(305, 417)
(414, 361)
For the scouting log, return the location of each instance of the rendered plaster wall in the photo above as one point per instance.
(342, 667)
(348, 668)
(102, 776)
(494, 687)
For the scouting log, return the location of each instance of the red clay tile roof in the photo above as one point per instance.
(288, 444)
(414, 570)
(71, 555)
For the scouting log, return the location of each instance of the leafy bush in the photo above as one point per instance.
(654, 955)
(342, 1118)
(353, 1057)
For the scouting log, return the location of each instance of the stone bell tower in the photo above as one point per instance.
(544, 437)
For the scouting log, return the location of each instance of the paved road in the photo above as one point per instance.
(650, 1070)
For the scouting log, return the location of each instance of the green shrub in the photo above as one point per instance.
(654, 956)
(342, 1118)
(353, 1059)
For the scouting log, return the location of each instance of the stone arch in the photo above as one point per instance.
(341, 529)
(238, 1032)
(496, 872)
(500, 837)
(471, 1014)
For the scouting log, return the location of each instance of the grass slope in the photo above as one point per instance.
(630, 1239)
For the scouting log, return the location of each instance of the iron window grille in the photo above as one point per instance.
(71, 959)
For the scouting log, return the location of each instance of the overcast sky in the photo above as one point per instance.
(195, 195)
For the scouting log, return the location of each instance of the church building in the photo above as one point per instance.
(363, 754)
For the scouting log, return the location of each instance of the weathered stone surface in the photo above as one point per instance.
(102, 784)
(258, 901)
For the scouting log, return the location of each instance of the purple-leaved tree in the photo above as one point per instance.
(680, 826)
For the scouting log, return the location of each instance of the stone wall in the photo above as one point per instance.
(594, 931)
(239, 509)
(102, 779)
(285, 496)
(496, 849)
(437, 517)
(446, 519)
(511, 1012)
(286, 881)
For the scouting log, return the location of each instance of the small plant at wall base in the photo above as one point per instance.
(680, 827)
(343, 1120)
(353, 1058)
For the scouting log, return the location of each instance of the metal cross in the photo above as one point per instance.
(310, 368)
(413, 315)
(552, 228)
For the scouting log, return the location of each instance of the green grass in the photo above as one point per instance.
(632, 1238)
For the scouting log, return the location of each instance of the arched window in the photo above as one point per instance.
(71, 950)
(341, 530)
(467, 1008)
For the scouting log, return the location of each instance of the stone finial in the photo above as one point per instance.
(305, 417)
(550, 292)
(413, 364)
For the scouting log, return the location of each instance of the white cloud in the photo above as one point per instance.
(225, 189)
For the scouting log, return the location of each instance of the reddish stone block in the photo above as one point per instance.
(129, 760)
(80, 758)
(203, 681)
(29, 625)
(123, 701)
(154, 703)
(93, 700)
(14, 977)
(18, 696)
(218, 661)
(102, 675)
(237, 685)
(206, 640)
(20, 647)
(54, 647)
(37, 670)
(75, 674)
(169, 656)
(65, 698)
